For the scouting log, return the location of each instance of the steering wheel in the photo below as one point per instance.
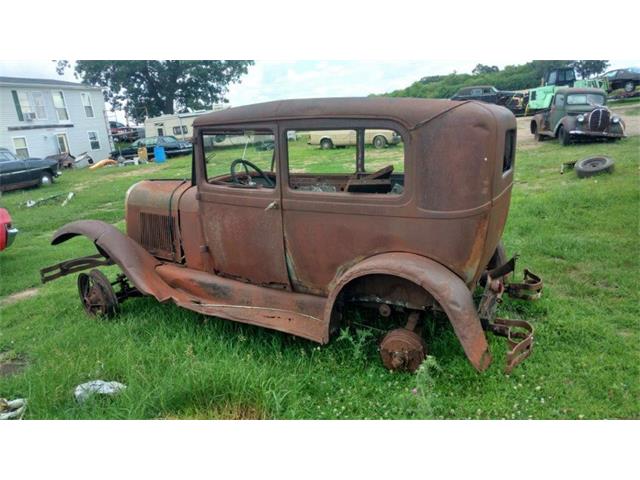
(246, 164)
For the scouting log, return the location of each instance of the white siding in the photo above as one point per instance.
(42, 141)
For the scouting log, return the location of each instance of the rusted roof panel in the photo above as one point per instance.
(408, 111)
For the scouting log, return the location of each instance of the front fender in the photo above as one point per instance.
(449, 290)
(137, 264)
(567, 122)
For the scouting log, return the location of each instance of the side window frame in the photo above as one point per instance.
(200, 166)
(346, 124)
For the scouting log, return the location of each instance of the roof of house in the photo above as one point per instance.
(409, 111)
(44, 82)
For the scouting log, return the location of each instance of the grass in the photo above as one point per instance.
(580, 235)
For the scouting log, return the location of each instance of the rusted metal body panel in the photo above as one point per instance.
(137, 264)
(286, 259)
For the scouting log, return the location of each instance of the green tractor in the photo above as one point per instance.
(540, 98)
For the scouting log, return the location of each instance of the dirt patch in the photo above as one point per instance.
(11, 363)
(18, 296)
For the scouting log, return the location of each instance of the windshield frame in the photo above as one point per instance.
(587, 102)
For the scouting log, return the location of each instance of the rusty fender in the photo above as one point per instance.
(136, 263)
(446, 288)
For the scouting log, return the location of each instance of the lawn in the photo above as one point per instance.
(581, 235)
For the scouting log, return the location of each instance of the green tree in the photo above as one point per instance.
(155, 87)
(589, 68)
(480, 68)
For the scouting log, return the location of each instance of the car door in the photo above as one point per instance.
(489, 95)
(242, 224)
(557, 111)
(13, 171)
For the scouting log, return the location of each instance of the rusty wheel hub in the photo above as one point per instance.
(96, 294)
(402, 350)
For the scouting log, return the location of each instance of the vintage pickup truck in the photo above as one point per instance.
(577, 114)
(288, 237)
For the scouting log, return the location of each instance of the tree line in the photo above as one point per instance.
(512, 77)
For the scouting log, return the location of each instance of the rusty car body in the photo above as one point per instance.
(288, 250)
(577, 114)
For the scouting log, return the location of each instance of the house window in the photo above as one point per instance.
(20, 146)
(60, 105)
(24, 107)
(93, 140)
(86, 103)
(176, 130)
(185, 129)
(38, 105)
(347, 161)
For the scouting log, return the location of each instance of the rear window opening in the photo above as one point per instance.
(509, 150)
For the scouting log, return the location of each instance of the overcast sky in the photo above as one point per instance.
(273, 80)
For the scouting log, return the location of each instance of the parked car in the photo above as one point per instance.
(172, 146)
(626, 78)
(8, 232)
(20, 173)
(343, 138)
(122, 133)
(258, 238)
(514, 101)
(577, 113)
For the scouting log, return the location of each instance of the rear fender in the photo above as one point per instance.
(136, 263)
(451, 293)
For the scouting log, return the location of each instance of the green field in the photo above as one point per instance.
(581, 235)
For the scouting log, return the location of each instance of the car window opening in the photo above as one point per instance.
(346, 161)
(240, 158)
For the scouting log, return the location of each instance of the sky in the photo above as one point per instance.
(274, 80)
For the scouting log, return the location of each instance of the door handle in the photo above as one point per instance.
(272, 206)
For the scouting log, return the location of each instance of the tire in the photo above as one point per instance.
(46, 179)
(594, 165)
(629, 87)
(563, 137)
(326, 144)
(379, 142)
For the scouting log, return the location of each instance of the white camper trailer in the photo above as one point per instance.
(179, 125)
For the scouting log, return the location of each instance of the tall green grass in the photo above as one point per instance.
(581, 235)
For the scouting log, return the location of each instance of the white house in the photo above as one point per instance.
(41, 117)
(179, 125)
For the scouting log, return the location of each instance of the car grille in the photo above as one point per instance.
(599, 120)
(157, 233)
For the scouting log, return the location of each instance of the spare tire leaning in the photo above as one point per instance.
(594, 165)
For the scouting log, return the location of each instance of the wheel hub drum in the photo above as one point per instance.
(402, 350)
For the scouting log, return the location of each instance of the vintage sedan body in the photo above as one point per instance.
(327, 139)
(288, 237)
(29, 172)
(577, 113)
(514, 101)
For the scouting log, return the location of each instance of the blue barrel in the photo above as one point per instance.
(159, 154)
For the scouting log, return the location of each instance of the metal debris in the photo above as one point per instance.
(12, 409)
(49, 199)
(86, 390)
